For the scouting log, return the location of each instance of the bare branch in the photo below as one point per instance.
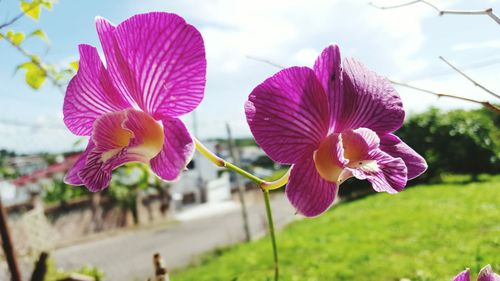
(12, 21)
(403, 5)
(469, 78)
(16, 18)
(265, 61)
(486, 104)
(487, 12)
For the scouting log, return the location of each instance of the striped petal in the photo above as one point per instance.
(463, 276)
(117, 67)
(358, 144)
(119, 137)
(369, 101)
(384, 172)
(395, 147)
(158, 60)
(177, 150)
(72, 176)
(367, 161)
(329, 72)
(89, 94)
(96, 175)
(308, 192)
(288, 114)
(487, 274)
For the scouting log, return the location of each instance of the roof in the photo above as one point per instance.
(47, 172)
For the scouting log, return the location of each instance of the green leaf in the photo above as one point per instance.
(40, 34)
(47, 4)
(31, 9)
(74, 65)
(34, 76)
(15, 37)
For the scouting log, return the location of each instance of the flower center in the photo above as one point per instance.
(326, 159)
(339, 155)
(148, 135)
(131, 130)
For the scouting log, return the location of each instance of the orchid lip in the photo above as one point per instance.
(326, 160)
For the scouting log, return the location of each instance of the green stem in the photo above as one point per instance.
(272, 233)
(264, 185)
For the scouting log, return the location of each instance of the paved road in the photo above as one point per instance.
(128, 257)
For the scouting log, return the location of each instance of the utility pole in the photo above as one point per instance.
(241, 190)
(7, 245)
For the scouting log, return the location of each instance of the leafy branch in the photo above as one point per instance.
(36, 70)
(488, 12)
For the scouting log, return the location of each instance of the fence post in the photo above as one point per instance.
(7, 245)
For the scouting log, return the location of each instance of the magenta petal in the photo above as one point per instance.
(161, 61)
(308, 192)
(390, 175)
(116, 65)
(89, 94)
(288, 114)
(177, 151)
(369, 101)
(328, 70)
(463, 276)
(96, 175)
(359, 143)
(487, 274)
(109, 133)
(72, 175)
(395, 147)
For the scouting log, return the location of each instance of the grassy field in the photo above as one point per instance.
(428, 232)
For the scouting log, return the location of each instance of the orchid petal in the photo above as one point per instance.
(288, 114)
(395, 147)
(120, 137)
(463, 276)
(359, 143)
(90, 94)
(116, 65)
(487, 274)
(369, 101)
(109, 132)
(72, 175)
(329, 72)
(177, 151)
(308, 192)
(161, 61)
(96, 175)
(384, 172)
(329, 159)
(148, 134)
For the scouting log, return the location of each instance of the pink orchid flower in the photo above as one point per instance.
(332, 122)
(155, 72)
(486, 274)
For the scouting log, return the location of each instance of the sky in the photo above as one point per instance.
(402, 44)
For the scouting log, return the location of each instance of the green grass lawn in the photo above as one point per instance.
(428, 232)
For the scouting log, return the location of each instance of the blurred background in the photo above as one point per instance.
(448, 220)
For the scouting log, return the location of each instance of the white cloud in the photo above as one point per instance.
(289, 33)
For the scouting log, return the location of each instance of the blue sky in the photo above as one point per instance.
(402, 44)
